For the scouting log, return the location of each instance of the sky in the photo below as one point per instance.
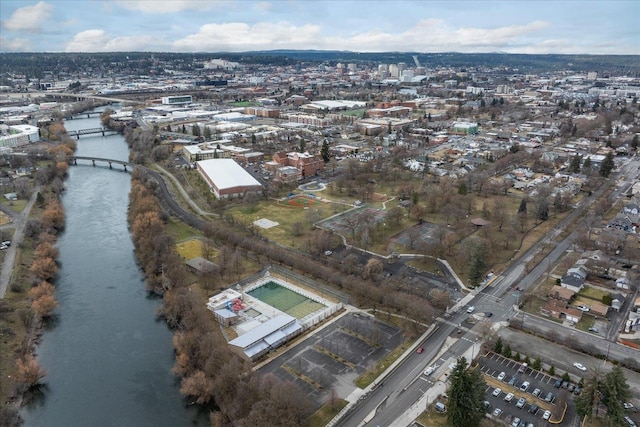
(516, 26)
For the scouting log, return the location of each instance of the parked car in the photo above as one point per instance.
(521, 402)
(536, 392)
(522, 368)
(594, 330)
(501, 376)
(524, 386)
(549, 397)
(512, 381)
(496, 392)
(497, 412)
(508, 397)
(471, 309)
(628, 405)
(533, 409)
(558, 383)
(430, 370)
(546, 415)
(515, 422)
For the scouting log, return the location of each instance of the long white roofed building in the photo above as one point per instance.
(226, 178)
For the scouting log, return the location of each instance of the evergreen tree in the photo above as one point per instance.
(253, 139)
(207, 132)
(303, 145)
(168, 128)
(574, 167)
(523, 206)
(498, 346)
(615, 391)
(466, 395)
(477, 265)
(462, 188)
(590, 396)
(195, 130)
(607, 165)
(587, 163)
(324, 151)
(184, 129)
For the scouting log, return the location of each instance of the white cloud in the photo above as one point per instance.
(240, 36)
(427, 35)
(166, 6)
(88, 41)
(29, 18)
(98, 41)
(14, 45)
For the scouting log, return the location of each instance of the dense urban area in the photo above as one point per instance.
(340, 239)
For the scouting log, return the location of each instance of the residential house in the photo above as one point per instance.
(561, 294)
(623, 283)
(617, 302)
(559, 309)
(572, 282)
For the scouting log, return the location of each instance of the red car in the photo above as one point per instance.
(419, 350)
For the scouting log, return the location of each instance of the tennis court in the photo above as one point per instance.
(285, 300)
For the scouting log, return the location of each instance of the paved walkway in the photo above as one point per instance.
(19, 223)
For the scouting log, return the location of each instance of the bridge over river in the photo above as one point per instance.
(80, 132)
(73, 160)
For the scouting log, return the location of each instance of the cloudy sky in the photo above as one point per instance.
(517, 26)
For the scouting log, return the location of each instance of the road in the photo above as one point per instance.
(19, 223)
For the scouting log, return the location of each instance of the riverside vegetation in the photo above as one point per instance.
(30, 300)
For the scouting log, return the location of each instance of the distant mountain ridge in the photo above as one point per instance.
(35, 63)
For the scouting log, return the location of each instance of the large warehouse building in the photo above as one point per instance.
(226, 178)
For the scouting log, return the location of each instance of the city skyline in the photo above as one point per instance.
(536, 27)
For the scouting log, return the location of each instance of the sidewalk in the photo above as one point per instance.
(428, 398)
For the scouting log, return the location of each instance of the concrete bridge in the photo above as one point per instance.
(78, 133)
(73, 160)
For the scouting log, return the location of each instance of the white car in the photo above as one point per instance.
(497, 412)
(583, 308)
(580, 366)
(430, 370)
(501, 376)
(508, 397)
(546, 415)
(471, 309)
(497, 392)
(521, 402)
(524, 386)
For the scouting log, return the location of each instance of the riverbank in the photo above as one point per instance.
(27, 297)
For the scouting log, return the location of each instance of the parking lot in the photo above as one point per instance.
(532, 397)
(334, 356)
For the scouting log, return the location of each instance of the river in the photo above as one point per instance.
(107, 355)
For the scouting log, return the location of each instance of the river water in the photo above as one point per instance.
(107, 356)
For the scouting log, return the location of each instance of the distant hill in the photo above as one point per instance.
(35, 65)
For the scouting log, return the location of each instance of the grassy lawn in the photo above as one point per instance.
(193, 248)
(15, 205)
(285, 216)
(181, 231)
(325, 414)
(370, 376)
(357, 113)
(585, 323)
(592, 293)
